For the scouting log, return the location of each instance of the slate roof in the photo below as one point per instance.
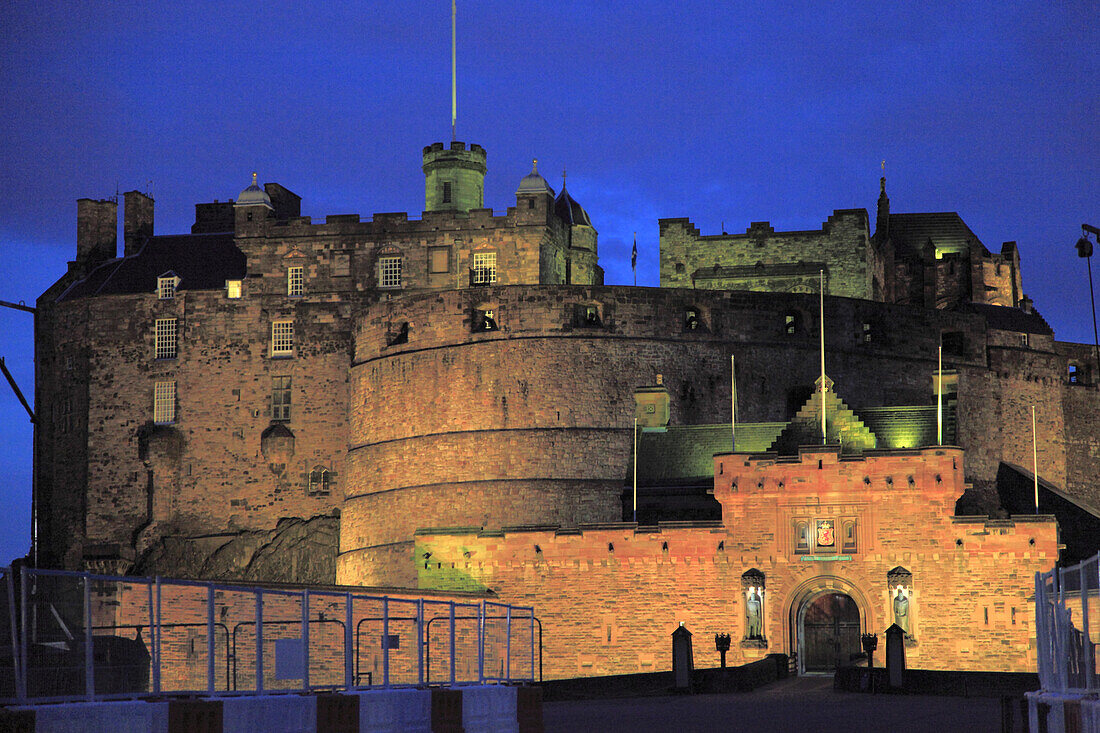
(1002, 318)
(201, 261)
(570, 211)
(910, 232)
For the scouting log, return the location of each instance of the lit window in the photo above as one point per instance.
(1024, 340)
(866, 332)
(166, 287)
(165, 338)
(164, 403)
(280, 399)
(282, 338)
(319, 481)
(389, 272)
(484, 320)
(790, 323)
(294, 282)
(234, 289)
(485, 268)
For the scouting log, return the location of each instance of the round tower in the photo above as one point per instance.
(454, 177)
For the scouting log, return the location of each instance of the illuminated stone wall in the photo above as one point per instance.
(763, 259)
(609, 596)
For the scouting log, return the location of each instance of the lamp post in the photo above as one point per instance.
(1084, 249)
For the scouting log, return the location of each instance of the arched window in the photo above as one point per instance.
(320, 481)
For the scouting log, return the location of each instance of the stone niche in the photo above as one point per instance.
(277, 446)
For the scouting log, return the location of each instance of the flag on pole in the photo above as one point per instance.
(634, 258)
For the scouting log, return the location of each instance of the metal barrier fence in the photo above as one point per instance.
(1067, 649)
(77, 636)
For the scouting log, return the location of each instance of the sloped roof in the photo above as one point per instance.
(570, 211)
(201, 261)
(1003, 318)
(946, 229)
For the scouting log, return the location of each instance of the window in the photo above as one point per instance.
(65, 415)
(802, 537)
(280, 399)
(485, 268)
(389, 272)
(166, 287)
(790, 323)
(693, 319)
(165, 338)
(341, 264)
(439, 259)
(164, 403)
(234, 289)
(294, 282)
(1074, 374)
(587, 316)
(1024, 340)
(848, 536)
(446, 192)
(484, 320)
(866, 332)
(282, 338)
(320, 481)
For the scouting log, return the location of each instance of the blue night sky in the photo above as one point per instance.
(726, 113)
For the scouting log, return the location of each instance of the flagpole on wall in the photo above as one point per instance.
(1035, 457)
(733, 402)
(824, 440)
(939, 392)
(635, 469)
(634, 259)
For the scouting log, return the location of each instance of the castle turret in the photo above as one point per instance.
(454, 178)
(252, 207)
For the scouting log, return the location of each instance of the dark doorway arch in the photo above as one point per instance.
(828, 631)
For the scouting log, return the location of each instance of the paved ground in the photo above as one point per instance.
(799, 704)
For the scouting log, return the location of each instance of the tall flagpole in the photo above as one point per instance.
(1035, 457)
(635, 468)
(733, 402)
(822, 320)
(939, 392)
(454, 86)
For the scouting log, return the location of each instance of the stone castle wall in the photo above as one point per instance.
(609, 596)
(531, 423)
(763, 259)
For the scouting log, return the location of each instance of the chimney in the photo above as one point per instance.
(137, 221)
(96, 231)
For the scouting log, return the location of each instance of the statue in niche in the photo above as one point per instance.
(901, 609)
(754, 607)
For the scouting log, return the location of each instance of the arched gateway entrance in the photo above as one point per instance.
(828, 631)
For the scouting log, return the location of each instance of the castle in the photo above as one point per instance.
(277, 399)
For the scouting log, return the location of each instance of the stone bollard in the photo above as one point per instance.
(895, 656)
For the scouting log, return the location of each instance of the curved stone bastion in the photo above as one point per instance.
(506, 406)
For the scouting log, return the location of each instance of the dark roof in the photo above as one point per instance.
(200, 261)
(946, 229)
(1004, 318)
(569, 210)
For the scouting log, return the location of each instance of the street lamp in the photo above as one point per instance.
(1084, 249)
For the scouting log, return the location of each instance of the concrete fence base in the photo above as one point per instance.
(474, 709)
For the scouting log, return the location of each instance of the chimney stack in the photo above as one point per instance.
(96, 231)
(137, 221)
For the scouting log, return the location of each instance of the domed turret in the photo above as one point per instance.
(254, 196)
(534, 183)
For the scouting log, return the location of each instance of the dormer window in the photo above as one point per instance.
(166, 286)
